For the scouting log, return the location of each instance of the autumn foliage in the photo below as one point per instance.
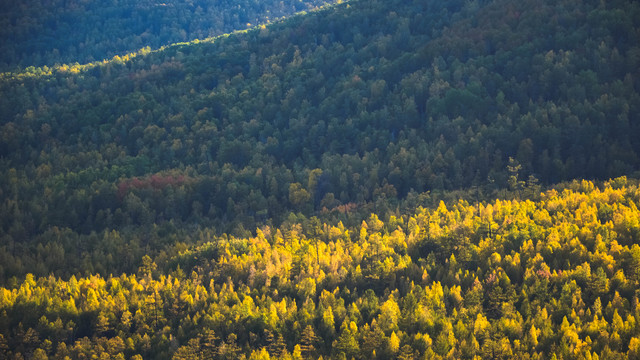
(557, 277)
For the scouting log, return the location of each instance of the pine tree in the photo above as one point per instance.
(229, 350)
(189, 351)
(308, 342)
(513, 168)
(208, 347)
(269, 340)
(346, 343)
(278, 348)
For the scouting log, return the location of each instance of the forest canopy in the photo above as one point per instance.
(39, 33)
(366, 104)
(510, 279)
(374, 179)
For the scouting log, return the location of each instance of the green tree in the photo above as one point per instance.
(515, 184)
(298, 196)
(346, 344)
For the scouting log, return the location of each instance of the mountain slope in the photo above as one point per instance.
(363, 106)
(38, 33)
(128, 187)
(556, 277)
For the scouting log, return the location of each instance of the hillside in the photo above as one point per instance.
(39, 33)
(421, 178)
(368, 106)
(555, 278)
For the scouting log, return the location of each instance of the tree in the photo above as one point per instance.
(298, 196)
(599, 284)
(407, 353)
(346, 344)
(102, 324)
(189, 351)
(445, 341)
(229, 350)
(276, 347)
(208, 349)
(532, 189)
(308, 342)
(513, 168)
(634, 349)
(328, 323)
(394, 343)
(148, 266)
(532, 337)
(373, 339)
(389, 315)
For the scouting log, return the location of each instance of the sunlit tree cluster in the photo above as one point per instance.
(557, 277)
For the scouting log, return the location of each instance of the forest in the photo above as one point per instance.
(371, 179)
(53, 32)
(555, 277)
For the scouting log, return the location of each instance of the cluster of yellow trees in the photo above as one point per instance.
(552, 278)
